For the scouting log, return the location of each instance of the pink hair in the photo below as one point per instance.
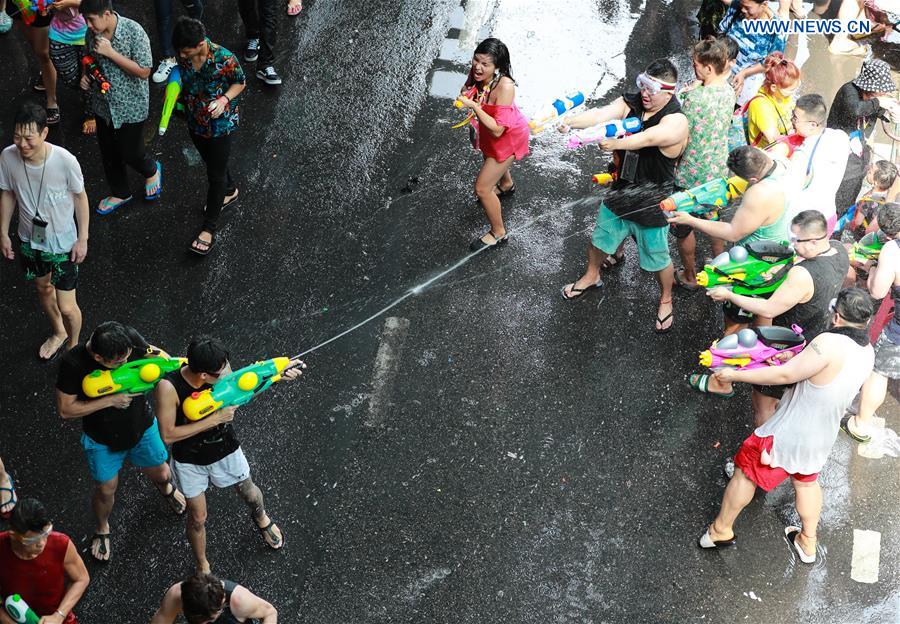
(780, 72)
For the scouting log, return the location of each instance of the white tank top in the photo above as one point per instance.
(806, 423)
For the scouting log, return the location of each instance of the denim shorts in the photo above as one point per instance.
(105, 464)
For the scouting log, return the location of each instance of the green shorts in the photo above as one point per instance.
(36, 263)
(652, 242)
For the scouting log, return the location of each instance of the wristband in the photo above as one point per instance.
(61, 614)
(227, 98)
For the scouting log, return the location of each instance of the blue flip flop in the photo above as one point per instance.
(13, 499)
(155, 196)
(105, 206)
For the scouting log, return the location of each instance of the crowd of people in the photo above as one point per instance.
(804, 166)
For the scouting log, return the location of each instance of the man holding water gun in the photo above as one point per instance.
(115, 427)
(645, 175)
(802, 300)
(207, 450)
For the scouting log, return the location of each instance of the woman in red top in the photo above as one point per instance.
(502, 133)
(40, 565)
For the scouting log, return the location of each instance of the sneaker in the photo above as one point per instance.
(165, 68)
(268, 75)
(729, 467)
(5, 22)
(251, 53)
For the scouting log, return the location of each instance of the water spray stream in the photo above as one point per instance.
(420, 287)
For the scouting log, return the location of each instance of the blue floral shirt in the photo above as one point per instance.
(752, 47)
(200, 87)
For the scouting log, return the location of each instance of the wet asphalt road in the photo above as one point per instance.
(490, 454)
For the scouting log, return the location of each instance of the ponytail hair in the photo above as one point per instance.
(780, 72)
(712, 52)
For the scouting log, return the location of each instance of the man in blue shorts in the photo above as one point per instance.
(645, 174)
(116, 427)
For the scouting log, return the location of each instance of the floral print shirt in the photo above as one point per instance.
(128, 99)
(709, 111)
(200, 87)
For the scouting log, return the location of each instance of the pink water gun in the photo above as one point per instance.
(752, 348)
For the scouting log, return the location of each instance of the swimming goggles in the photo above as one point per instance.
(653, 85)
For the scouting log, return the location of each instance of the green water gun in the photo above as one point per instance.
(237, 388)
(707, 197)
(19, 610)
(868, 247)
(133, 377)
(755, 269)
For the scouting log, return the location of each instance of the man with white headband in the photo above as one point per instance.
(645, 174)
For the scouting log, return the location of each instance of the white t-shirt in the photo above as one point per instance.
(54, 199)
(825, 164)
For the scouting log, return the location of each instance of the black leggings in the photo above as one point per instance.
(121, 147)
(215, 152)
(67, 61)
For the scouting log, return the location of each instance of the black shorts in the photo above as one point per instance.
(735, 314)
(36, 263)
(773, 392)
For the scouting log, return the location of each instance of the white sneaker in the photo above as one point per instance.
(165, 68)
(5, 22)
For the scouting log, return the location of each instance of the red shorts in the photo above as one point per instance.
(766, 477)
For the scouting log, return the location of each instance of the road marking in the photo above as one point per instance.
(866, 555)
(387, 362)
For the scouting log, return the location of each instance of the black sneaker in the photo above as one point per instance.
(268, 75)
(251, 53)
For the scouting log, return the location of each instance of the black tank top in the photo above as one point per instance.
(654, 169)
(227, 616)
(204, 448)
(828, 273)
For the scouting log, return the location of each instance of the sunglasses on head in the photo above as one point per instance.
(28, 541)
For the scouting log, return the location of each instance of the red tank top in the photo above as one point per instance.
(40, 581)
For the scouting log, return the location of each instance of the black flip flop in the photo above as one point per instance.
(59, 351)
(612, 261)
(661, 321)
(105, 546)
(268, 530)
(209, 245)
(682, 284)
(855, 436)
(501, 193)
(579, 292)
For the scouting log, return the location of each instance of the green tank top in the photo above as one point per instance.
(778, 230)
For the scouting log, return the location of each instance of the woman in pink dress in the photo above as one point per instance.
(502, 133)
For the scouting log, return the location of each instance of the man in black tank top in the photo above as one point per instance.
(802, 299)
(203, 598)
(884, 281)
(208, 450)
(645, 168)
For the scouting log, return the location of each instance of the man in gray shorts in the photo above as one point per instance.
(208, 450)
(884, 280)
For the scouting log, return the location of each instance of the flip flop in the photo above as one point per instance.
(613, 260)
(105, 546)
(661, 321)
(178, 507)
(199, 241)
(790, 534)
(148, 196)
(295, 9)
(862, 439)
(13, 499)
(706, 541)
(701, 384)
(501, 193)
(55, 354)
(277, 542)
(578, 292)
(679, 281)
(107, 206)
